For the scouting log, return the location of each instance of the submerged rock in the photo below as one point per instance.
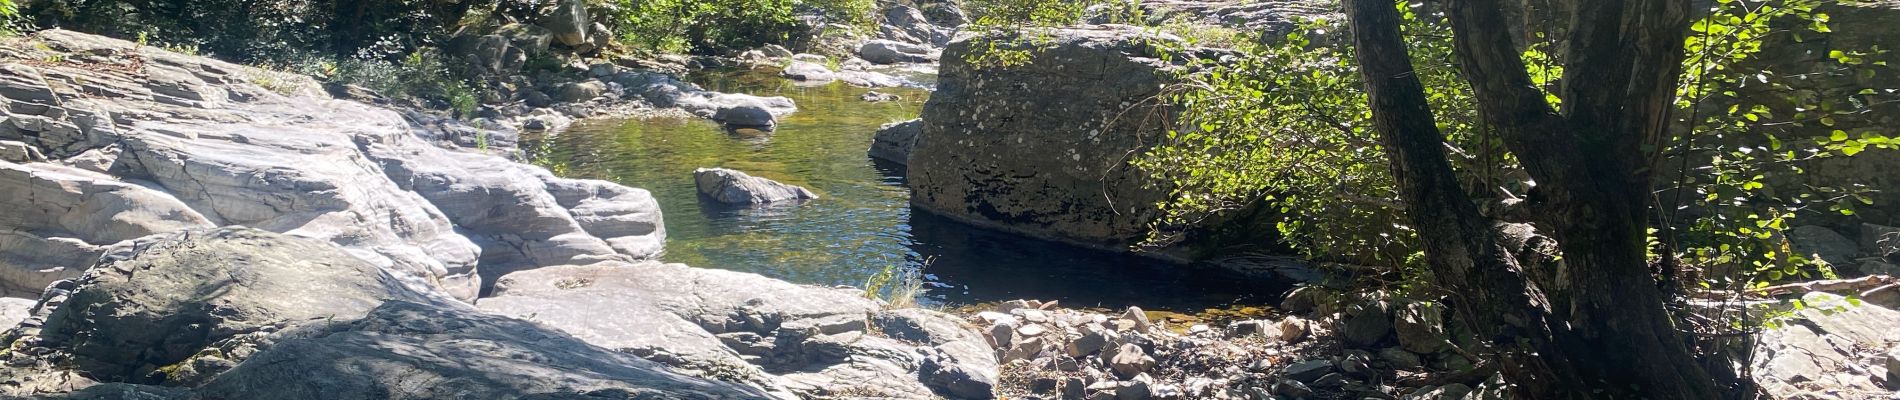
(734, 187)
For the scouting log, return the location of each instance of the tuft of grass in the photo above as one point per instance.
(896, 286)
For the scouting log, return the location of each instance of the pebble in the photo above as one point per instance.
(1031, 330)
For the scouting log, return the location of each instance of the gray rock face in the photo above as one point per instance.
(461, 354)
(734, 187)
(809, 71)
(1828, 245)
(907, 24)
(198, 142)
(1042, 149)
(568, 21)
(59, 220)
(894, 141)
(161, 300)
(894, 52)
(746, 328)
(1830, 352)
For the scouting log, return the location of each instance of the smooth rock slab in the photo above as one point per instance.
(734, 187)
(754, 330)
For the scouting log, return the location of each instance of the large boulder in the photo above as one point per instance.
(1042, 148)
(894, 141)
(734, 187)
(894, 52)
(907, 24)
(153, 307)
(196, 142)
(754, 330)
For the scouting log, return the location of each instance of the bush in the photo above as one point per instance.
(703, 26)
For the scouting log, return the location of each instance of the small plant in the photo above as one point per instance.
(896, 286)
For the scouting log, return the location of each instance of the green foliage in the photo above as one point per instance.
(1736, 163)
(1289, 122)
(1009, 25)
(263, 32)
(421, 76)
(677, 26)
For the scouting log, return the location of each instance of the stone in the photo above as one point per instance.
(1421, 327)
(160, 300)
(568, 21)
(673, 314)
(1044, 385)
(1294, 329)
(474, 355)
(1133, 390)
(1880, 240)
(1400, 359)
(1091, 340)
(1139, 317)
(532, 40)
(1130, 360)
(908, 24)
(1330, 380)
(734, 187)
(1828, 245)
(1074, 389)
(1301, 300)
(1293, 388)
(879, 97)
(1815, 354)
(576, 92)
(1357, 364)
(809, 72)
(19, 152)
(893, 52)
(1307, 371)
(1062, 175)
(60, 220)
(1365, 324)
(1031, 330)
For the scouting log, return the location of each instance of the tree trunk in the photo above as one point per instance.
(1615, 340)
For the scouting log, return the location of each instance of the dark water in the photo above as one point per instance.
(863, 223)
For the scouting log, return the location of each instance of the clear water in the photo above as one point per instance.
(863, 224)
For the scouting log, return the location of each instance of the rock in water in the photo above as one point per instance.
(894, 141)
(809, 72)
(734, 187)
(1042, 148)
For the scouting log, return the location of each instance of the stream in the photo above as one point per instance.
(863, 223)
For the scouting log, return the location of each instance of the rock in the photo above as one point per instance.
(809, 72)
(1293, 388)
(1092, 339)
(1133, 390)
(19, 152)
(532, 40)
(1421, 328)
(1294, 329)
(1307, 371)
(1139, 317)
(1301, 300)
(14, 309)
(945, 13)
(734, 187)
(1044, 385)
(894, 141)
(1365, 324)
(1880, 240)
(1455, 391)
(1330, 380)
(892, 52)
(1357, 364)
(672, 314)
(1893, 368)
(775, 51)
(1814, 241)
(1130, 361)
(61, 219)
(166, 299)
(1815, 355)
(907, 24)
(1074, 389)
(568, 21)
(579, 91)
(879, 97)
(735, 110)
(1062, 174)
(1400, 359)
(471, 355)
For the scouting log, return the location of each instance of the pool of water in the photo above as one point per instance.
(863, 224)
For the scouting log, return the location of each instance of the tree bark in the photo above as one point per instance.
(1614, 339)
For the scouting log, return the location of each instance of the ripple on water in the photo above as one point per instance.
(863, 222)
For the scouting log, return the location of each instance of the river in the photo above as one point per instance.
(863, 224)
